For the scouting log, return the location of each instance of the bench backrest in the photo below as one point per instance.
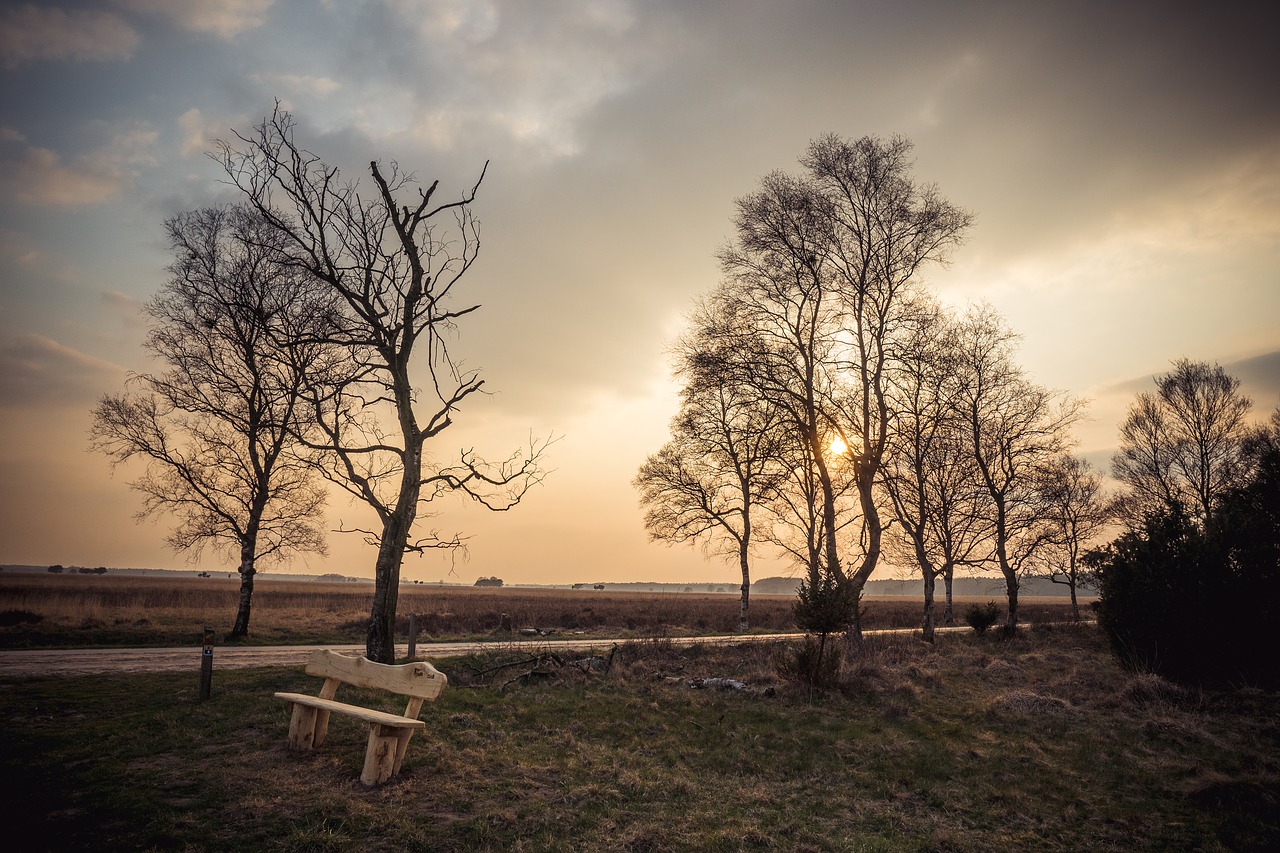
(420, 679)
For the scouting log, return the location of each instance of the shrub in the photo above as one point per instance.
(1194, 599)
(826, 602)
(9, 618)
(980, 617)
(814, 664)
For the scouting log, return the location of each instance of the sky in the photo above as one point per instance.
(1121, 161)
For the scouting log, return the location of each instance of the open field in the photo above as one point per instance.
(44, 610)
(977, 744)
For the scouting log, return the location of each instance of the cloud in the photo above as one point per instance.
(527, 74)
(30, 33)
(198, 133)
(316, 87)
(41, 176)
(21, 249)
(1259, 377)
(37, 370)
(127, 307)
(224, 18)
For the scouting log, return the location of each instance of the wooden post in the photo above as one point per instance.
(206, 664)
(413, 637)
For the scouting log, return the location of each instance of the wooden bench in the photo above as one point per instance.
(388, 733)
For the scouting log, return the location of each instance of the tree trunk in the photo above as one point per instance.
(1011, 587)
(247, 572)
(1002, 560)
(929, 584)
(930, 576)
(380, 646)
(744, 563)
(949, 613)
(1075, 607)
(853, 635)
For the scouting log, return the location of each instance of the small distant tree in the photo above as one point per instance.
(56, 569)
(981, 617)
(1074, 513)
(826, 603)
(1014, 428)
(929, 473)
(219, 428)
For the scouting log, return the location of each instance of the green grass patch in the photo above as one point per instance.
(1041, 742)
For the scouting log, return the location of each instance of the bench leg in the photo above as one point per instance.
(401, 746)
(380, 756)
(322, 728)
(302, 728)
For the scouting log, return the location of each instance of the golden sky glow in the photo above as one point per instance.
(1125, 180)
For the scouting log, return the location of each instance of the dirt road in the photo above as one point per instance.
(95, 661)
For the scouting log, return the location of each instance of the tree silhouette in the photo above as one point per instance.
(220, 428)
(394, 263)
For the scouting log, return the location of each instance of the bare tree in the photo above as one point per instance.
(394, 262)
(882, 229)
(219, 428)
(1014, 427)
(708, 481)
(928, 472)
(1074, 514)
(1183, 444)
(778, 334)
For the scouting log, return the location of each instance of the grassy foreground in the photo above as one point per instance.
(1040, 742)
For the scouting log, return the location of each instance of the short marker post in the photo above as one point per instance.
(206, 664)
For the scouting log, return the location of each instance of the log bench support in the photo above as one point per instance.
(389, 734)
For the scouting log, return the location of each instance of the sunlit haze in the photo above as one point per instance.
(1122, 162)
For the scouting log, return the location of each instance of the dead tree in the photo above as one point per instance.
(394, 261)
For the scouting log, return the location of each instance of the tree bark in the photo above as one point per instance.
(948, 578)
(929, 584)
(247, 572)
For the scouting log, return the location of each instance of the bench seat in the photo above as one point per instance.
(367, 714)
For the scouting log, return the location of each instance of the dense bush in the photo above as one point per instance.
(980, 617)
(1197, 601)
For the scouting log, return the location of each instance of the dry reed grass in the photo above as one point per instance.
(61, 609)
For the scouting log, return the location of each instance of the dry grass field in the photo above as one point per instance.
(975, 744)
(41, 610)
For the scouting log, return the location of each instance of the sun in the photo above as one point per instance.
(838, 447)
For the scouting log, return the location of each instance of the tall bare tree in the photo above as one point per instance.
(219, 428)
(1184, 443)
(928, 472)
(394, 261)
(818, 277)
(779, 334)
(882, 228)
(1014, 428)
